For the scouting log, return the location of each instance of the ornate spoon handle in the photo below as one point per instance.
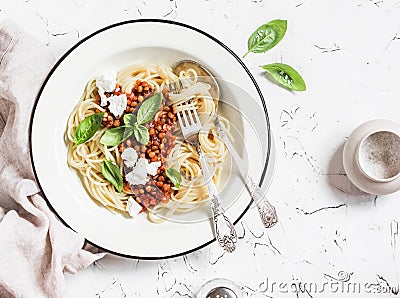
(224, 229)
(265, 209)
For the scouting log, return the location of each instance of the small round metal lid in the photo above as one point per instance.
(221, 292)
(219, 288)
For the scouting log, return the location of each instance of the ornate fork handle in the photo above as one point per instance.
(224, 229)
(265, 209)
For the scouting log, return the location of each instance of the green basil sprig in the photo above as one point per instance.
(116, 135)
(113, 174)
(145, 113)
(149, 108)
(134, 123)
(174, 176)
(266, 37)
(286, 75)
(87, 128)
(129, 119)
(141, 133)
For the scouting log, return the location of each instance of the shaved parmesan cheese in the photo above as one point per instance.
(106, 83)
(194, 90)
(135, 179)
(103, 97)
(138, 175)
(117, 104)
(153, 167)
(140, 167)
(130, 157)
(133, 207)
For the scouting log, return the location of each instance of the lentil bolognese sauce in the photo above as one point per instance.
(160, 187)
(124, 142)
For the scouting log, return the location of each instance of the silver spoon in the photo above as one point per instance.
(267, 212)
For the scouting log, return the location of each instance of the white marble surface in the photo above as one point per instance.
(347, 52)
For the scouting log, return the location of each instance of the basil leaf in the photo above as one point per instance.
(113, 174)
(87, 128)
(174, 176)
(116, 135)
(149, 108)
(266, 36)
(141, 134)
(129, 119)
(286, 76)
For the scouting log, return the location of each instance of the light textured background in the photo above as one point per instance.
(348, 53)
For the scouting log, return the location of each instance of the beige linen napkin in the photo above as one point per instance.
(35, 248)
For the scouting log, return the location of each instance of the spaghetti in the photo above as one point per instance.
(138, 82)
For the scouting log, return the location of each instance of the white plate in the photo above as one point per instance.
(114, 47)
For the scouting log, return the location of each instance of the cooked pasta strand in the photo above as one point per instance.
(87, 158)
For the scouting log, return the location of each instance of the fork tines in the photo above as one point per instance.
(189, 122)
(175, 86)
(193, 117)
(188, 118)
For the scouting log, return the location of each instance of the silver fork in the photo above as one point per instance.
(225, 232)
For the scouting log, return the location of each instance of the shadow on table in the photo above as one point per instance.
(337, 177)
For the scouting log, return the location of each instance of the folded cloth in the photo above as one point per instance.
(35, 247)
